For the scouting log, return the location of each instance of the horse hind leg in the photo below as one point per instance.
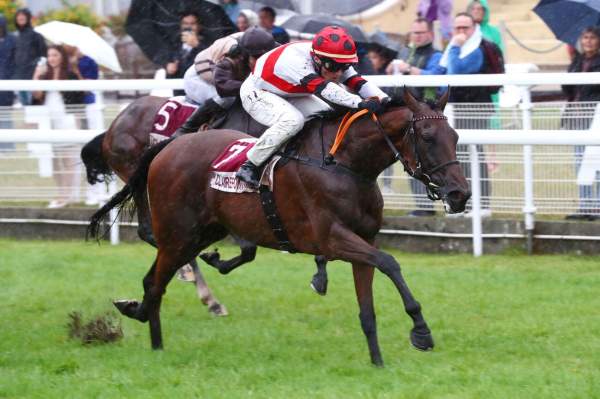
(132, 308)
(319, 280)
(248, 253)
(205, 294)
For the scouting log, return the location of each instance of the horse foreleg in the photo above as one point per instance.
(205, 294)
(350, 247)
(363, 283)
(248, 253)
(319, 280)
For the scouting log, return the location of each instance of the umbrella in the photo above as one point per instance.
(313, 23)
(154, 25)
(85, 39)
(568, 18)
(380, 39)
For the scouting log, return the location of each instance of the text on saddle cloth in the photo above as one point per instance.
(173, 113)
(224, 167)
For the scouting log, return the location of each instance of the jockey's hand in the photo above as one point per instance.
(372, 104)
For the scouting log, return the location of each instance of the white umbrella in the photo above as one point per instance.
(85, 39)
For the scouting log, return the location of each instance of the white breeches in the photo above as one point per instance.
(284, 116)
(197, 90)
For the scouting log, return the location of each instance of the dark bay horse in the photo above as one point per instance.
(119, 150)
(333, 210)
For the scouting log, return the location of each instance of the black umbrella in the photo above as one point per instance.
(568, 18)
(313, 23)
(378, 39)
(154, 25)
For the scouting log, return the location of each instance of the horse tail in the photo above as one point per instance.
(96, 168)
(135, 188)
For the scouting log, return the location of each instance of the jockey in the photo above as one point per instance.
(214, 80)
(290, 83)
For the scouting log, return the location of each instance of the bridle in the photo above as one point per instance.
(433, 190)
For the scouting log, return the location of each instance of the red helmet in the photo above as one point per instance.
(336, 44)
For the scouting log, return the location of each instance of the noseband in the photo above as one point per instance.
(433, 190)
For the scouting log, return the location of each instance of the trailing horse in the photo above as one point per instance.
(118, 150)
(333, 209)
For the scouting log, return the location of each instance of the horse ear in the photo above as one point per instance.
(410, 100)
(443, 100)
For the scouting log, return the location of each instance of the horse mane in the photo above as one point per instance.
(396, 100)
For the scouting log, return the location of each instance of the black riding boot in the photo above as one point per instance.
(249, 173)
(200, 116)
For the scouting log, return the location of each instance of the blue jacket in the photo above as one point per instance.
(7, 60)
(88, 70)
(471, 64)
(433, 66)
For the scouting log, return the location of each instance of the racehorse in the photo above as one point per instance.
(120, 148)
(334, 209)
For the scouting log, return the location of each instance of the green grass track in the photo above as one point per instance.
(504, 327)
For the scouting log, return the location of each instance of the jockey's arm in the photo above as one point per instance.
(360, 85)
(226, 81)
(330, 91)
(336, 94)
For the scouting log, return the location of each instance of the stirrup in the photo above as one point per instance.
(249, 173)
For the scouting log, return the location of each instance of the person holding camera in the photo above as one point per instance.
(192, 42)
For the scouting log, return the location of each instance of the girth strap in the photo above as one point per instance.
(267, 200)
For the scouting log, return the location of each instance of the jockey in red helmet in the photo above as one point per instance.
(290, 83)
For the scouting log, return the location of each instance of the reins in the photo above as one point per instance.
(418, 172)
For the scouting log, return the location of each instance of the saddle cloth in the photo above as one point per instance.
(223, 168)
(173, 113)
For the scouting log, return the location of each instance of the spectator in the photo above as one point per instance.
(192, 42)
(246, 19)
(464, 55)
(586, 61)
(266, 20)
(30, 47)
(437, 10)
(232, 9)
(381, 57)
(480, 11)
(7, 67)
(66, 173)
(421, 58)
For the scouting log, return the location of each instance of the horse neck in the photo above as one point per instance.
(364, 149)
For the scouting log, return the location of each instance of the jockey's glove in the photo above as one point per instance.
(372, 104)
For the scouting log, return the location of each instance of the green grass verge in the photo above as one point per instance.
(505, 327)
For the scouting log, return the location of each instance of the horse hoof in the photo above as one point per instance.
(421, 341)
(127, 307)
(218, 310)
(377, 363)
(319, 285)
(211, 258)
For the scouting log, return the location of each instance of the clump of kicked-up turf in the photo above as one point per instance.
(104, 328)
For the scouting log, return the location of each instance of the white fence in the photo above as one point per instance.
(531, 161)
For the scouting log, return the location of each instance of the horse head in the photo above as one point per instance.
(428, 152)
